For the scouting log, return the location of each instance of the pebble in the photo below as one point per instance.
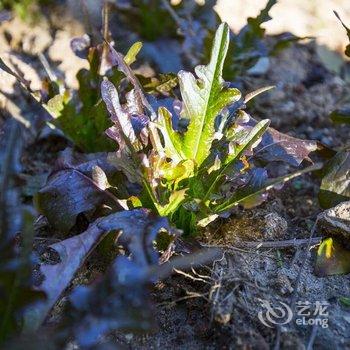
(336, 221)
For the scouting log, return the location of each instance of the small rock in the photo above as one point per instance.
(336, 221)
(261, 67)
(347, 318)
(275, 225)
(129, 337)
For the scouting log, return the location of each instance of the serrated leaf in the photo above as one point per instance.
(277, 146)
(247, 141)
(332, 259)
(237, 147)
(205, 98)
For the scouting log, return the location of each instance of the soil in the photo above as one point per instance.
(217, 306)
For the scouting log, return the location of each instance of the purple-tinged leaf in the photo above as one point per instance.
(121, 301)
(276, 146)
(5, 16)
(138, 231)
(80, 46)
(71, 190)
(117, 59)
(122, 131)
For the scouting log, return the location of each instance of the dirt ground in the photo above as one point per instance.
(217, 306)
(300, 17)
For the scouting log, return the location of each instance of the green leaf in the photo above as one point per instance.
(204, 99)
(162, 84)
(172, 139)
(335, 185)
(254, 29)
(332, 259)
(347, 50)
(345, 301)
(131, 55)
(237, 149)
(240, 146)
(247, 193)
(341, 116)
(175, 199)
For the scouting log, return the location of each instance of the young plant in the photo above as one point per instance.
(194, 173)
(335, 185)
(333, 255)
(81, 115)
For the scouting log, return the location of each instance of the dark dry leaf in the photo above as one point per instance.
(16, 292)
(335, 186)
(138, 231)
(121, 301)
(71, 190)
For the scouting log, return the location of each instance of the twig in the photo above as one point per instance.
(297, 281)
(278, 338)
(187, 275)
(46, 65)
(105, 36)
(292, 243)
(312, 337)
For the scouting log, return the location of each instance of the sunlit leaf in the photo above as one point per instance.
(205, 98)
(332, 259)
